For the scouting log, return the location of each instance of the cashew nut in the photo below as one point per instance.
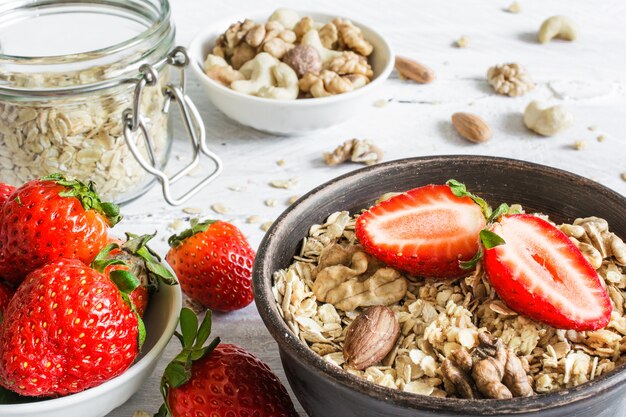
(217, 68)
(547, 121)
(265, 76)
(559, 27)
(286, 17)
(312, 38)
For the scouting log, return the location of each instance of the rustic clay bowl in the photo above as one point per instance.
(327, 391)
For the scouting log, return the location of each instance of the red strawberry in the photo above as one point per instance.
(219, 380)
(48, 219)
(5, 191)
(135, 256)
(213, 263)
(425, 231)
(68, 328)
(540, 273)
(6, 293)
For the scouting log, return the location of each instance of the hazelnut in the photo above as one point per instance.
(303, 59)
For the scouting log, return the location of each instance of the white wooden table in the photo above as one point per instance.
(588, 76)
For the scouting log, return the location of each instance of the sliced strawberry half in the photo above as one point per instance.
(540, 273)
(425, 231)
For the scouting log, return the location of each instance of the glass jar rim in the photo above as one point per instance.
(155, 15)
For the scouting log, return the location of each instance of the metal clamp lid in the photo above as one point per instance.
(134, 122)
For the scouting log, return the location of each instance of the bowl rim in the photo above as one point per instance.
(297, 350)
(196, 62)
(80, 397)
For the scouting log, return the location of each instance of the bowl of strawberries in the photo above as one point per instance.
(84, 316)
(452, 286)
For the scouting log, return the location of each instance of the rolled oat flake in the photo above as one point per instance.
(86, 89)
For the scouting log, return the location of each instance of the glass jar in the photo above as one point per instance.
(85, 90)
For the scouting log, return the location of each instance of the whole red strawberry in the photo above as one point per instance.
(6, 293)
(219, 380)
(68, 328)
(213, 263)
(135, 256)
(51, 218)
(5, 191)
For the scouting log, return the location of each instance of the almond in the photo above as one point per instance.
(370, 337)
(413, 70)
(471, 127)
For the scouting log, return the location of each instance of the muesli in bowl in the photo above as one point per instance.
(512, 305)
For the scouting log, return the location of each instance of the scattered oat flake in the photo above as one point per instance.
(280, 162)
(237, 188)
(271, 202)
(293, 199)
(253, 219)
(515, 7)
(381, 102)
(219, 208)
(266, 226)
(286, 184)
(192, 210)
(579, 145)
(177, 224)
(592, 128)
(601, 138)
(141, 414)
(462, 42)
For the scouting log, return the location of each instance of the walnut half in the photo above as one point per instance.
(349, 278)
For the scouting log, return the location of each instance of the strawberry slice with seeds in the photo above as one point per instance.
(540, 273)
(425, 231)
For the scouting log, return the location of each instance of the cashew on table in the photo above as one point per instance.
(347, 278)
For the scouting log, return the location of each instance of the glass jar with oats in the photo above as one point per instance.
(86, 89)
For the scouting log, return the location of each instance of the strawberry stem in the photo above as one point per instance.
(88, 197)
(192, 337)
(459, 190)
(196, 227)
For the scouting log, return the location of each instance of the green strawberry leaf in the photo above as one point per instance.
(178, 371)
(459, 190)
(125, 281)
(204, 331)
(87, 195)
(196, 227)
(490, 239)
(501, 210)
(471, 264)
(189, 327)
(157, 273)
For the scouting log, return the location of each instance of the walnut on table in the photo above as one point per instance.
(355, 150)
(510, 79)
(348, 278)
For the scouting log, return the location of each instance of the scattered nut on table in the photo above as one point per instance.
(547, 121)
(471, 127)
(413, 70)
(559, 27)
(462, 42)
(319, 58)
(510, 79)
(354, 150)
(514, 7)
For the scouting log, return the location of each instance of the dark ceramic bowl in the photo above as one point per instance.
(327, 391)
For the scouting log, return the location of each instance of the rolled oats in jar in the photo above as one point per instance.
(78, 83)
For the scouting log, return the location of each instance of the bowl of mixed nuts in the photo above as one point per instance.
(292, 72)
(433, 286)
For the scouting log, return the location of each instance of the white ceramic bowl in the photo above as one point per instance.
(161, 320)
(289, 117)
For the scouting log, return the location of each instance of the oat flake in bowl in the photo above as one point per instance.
(574, 373)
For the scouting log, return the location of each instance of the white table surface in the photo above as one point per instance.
(588, 76)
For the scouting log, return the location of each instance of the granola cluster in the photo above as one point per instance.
(444, 323)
